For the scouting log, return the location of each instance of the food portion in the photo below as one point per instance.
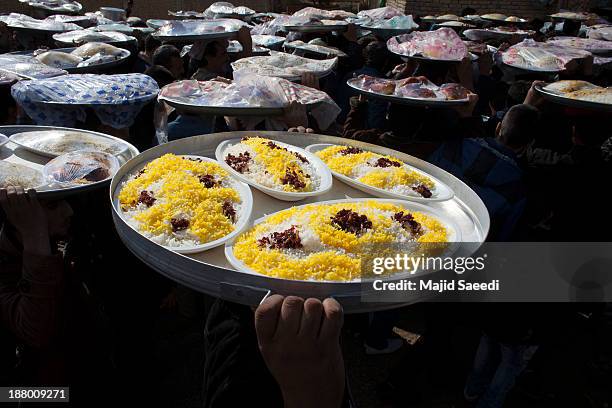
(93, 53)
(375, 170)
(336, 241)
(410, 88)
(17, 175)
(81, 167)
(570, 15)
(181, 201)
(265, 162)
(494, 16)
(581, 90)
(441, 44)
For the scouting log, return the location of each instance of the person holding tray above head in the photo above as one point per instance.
(210, 59)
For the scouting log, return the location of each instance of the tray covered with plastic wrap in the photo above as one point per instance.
(18, 21)
(311, 19)
(79, 37)
(267, 40)
(543, 57)
(187, 30)
(222, 9)
(26, 167)
(210, 272)
(248, 95)
(588, 44)
(25, 66)
(116, 99)
(482, 34)
(388, 27)
(316, 46)
(443, 44)
(55, 6)
(411, 91)
(283, 65)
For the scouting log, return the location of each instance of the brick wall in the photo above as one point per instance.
(521, 8)
(143, 8)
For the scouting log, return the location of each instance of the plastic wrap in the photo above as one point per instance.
(66, 6)
(601, 32)
(116, 27)
(253, 91)
(16, 20)
(6, 78)
(82, 21)
(282, 65)
(81, 167)
(186, 28)
(441, 44)
(28, 67)
(382, 13)
(539, 56)
(587, 44)
(317, 48)
(115, 99)
(223, 9)
(86, 36)
(267, 41)
(271, 27)
(394, 23)
(319, 14)
(186, 14)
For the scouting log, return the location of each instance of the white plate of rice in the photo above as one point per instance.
(187, 204)
(380, 180)
(321, 250)
(282, 171)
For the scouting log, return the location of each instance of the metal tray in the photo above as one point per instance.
(13, 153)
(220, 110)
(209, 272)
(316, 28)
(107, 66)
(409, 101)
(574, 103)
(193, 37)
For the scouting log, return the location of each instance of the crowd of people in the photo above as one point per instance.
(77, 308)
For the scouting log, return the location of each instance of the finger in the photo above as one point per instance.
(266, 318)
(290, 316)
(301, 129)
(311, 318)
(309, 130)
(332, 320)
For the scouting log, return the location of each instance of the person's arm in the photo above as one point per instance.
(244, 38)
(355, 123)
(31, 307)
(300, 343)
